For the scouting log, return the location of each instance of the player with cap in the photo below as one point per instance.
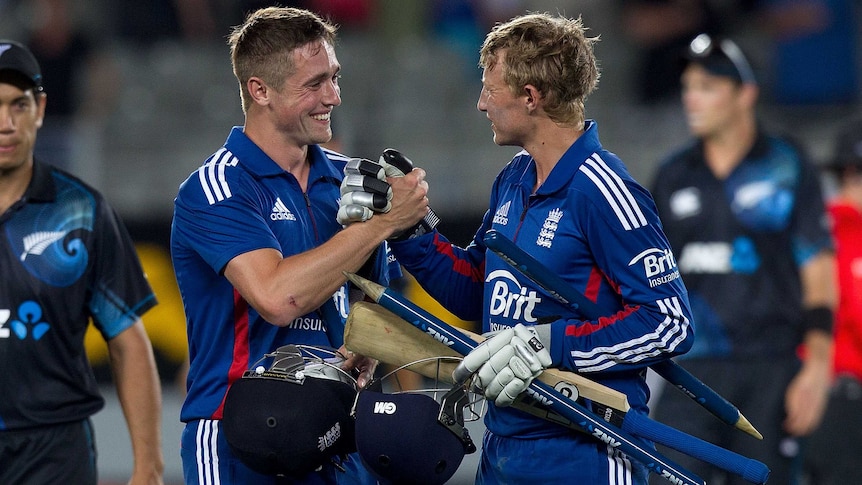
(66, 260)
(744, 212)
(834, 451)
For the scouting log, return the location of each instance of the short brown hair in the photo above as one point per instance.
(551, 53)
(262, 44)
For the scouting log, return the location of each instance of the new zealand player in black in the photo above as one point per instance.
(744, 212)
(65, 259)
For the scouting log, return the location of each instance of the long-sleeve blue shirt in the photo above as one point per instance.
(598, 229)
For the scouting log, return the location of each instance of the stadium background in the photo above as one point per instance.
(151, 95)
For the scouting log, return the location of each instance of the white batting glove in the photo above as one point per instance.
(505, 364)
(364, 191)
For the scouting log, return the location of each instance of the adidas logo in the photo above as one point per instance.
(280, 212)
(502, 215)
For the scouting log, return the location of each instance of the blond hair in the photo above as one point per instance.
(551, 53)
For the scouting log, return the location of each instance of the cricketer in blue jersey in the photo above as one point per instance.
(573, 206)
(258, 253)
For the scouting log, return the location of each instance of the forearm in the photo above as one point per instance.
(819, 302)
(818, 282)
(818, 352)
(282, 288)
(139, 392)
(806, 397)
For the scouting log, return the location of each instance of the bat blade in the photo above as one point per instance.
(376, 332)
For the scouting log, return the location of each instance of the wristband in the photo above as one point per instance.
(818, 318)
(426, 225)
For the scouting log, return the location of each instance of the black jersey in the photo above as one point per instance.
(740, 242)
(66, 258)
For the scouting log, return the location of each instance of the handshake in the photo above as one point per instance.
(365, 191)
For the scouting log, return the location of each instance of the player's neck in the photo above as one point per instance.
(548, 147)
(851, 191)
(13, 184)
(284, 152)
(724, 150)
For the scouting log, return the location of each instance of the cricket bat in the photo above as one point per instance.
(577, 416)
(376, 332)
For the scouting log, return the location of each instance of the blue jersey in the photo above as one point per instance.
(240, 200)
(66, 258)
(740, 242)
(598, 229)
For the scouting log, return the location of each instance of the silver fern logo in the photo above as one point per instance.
(38, 242)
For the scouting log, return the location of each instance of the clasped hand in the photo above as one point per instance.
(505, 364)
(364, 190)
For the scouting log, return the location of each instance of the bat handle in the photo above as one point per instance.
(748, 468)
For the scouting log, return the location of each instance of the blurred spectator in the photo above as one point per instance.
(149, 21)
(78, 79)
(347, 14)
(660, 31)
(463, 23)
(814, 53)
(834, 451)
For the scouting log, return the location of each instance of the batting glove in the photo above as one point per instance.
(396, 165)
(364, 191)
(505, 364)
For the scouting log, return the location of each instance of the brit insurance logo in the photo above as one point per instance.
(549, 228)
(659, 266)
(280, 212)
(509, 299)
(27, 323)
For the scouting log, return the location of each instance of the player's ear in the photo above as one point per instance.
(749, 93)
(41, 102)
(258, 90)
(532, 96)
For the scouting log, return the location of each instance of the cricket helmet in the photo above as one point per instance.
(413, 436)
(293, 417)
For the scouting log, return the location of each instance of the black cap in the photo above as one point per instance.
(848, 147)
(15, 57)
(721, 57)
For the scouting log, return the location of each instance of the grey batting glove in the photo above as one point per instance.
(505, 364)
(364, 191)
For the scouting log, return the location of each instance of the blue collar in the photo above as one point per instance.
(582, 149)
(261, 165)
